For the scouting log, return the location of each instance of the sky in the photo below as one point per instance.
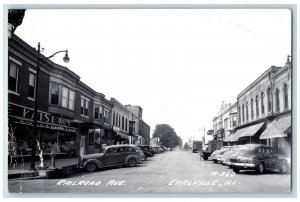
(177, 64)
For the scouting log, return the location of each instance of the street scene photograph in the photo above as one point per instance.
(133, 100)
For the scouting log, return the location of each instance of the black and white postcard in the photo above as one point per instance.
(149, 99)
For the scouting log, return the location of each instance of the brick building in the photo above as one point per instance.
(264, 110)
(69, 111)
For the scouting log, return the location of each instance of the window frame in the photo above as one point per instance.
(32, 72)
(18, 66)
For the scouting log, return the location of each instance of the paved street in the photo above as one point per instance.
(175, 171)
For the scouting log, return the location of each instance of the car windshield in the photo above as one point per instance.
(138, 149)
(246, 149)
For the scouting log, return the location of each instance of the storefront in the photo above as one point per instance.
(278, 135)
(54, 134)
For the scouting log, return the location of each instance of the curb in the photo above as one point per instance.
(46, 174)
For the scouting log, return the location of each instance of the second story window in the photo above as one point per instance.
(32, 84)
(247, 113)
(114, 118)
(269, 99)
(126, 124)
(105, 116)
(54, 93)
(252, 110)
(232, 121)
(262, 103)
(122, 123)
(84, 106)
(13, 73)
(285, 96)
(243, 113)
(68, 97)
(96, 115)
(277, 100)
(257, 107)
(240, 115)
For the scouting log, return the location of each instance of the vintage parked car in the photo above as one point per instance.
(218, 153)
(158, 150)
(225, 157)
(146, 150)
(114, 155)
(258, 157)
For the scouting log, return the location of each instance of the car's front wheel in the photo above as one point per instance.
(90, 167)
(261, 168)
(236, 170)
(132, 162)
(283, 167)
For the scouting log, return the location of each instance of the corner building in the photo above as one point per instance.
(264, 110)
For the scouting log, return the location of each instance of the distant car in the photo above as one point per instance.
(215, 156)
(260, 158)
(114, 155)
(146, 150)
(158, 150)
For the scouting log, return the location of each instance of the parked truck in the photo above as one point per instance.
(209, 148)
(197, 145)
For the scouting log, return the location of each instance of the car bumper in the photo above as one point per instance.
(242, 165)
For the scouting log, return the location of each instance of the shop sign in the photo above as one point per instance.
(25, 116)
(210, 132)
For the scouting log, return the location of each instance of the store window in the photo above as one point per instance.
(277, 100)
(32, 84)
(84, 106)
(285, 96)
(13, 73)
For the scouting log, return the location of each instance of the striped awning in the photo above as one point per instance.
(251, 130)
(277, 128)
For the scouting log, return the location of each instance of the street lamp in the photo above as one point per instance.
(66, 59)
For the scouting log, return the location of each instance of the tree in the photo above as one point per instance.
(186, 146)
(167, 135)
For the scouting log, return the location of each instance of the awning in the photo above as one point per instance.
(121, 134)
(231, 138)
(251, 130)
(277, 128)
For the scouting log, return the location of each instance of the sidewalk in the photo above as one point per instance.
(22, 170)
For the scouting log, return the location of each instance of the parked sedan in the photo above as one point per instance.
(114, 155)
(217, 154)
(146, 150)
(226, 156)
(259, 158)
